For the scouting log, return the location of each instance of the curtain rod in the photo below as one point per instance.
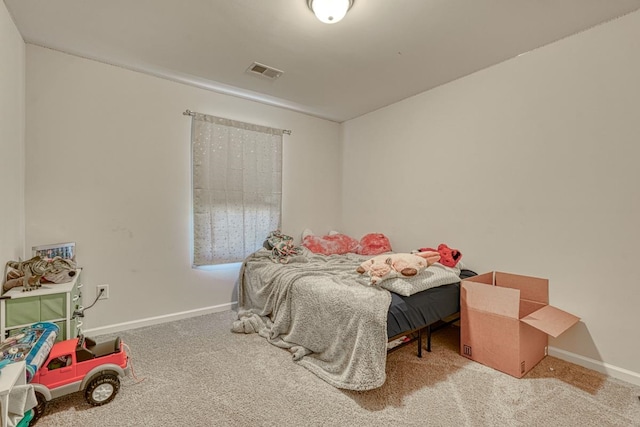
(192, 113)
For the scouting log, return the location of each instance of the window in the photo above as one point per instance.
(60, 362)
(237, 187)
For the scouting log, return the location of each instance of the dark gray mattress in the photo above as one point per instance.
(423, 308)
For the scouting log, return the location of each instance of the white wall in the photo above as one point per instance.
(531, 167)
(108, 152)
(12, 93)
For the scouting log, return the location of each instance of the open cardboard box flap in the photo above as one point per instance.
(531, 288)
(551, 320)
(491, 299)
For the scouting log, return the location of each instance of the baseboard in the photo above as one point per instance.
(596, 365)
(119, 327)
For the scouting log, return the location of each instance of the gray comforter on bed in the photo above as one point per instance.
(322, 310)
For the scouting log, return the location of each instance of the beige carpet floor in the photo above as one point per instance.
(195, 372)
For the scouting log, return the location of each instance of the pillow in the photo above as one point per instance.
(331, 244)
(374, 244)
(436, 275)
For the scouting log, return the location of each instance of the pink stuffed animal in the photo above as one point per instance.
(431, 256)
(374, 244)
(334, 243)
(388, 266)
(448, 257)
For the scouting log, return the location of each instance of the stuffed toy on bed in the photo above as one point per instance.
(448, 257)
(387, 266)
(333, 243)
(340, 244)
(374, 244)
(281, 247)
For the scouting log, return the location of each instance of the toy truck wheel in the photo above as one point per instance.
(38, 410)
(102, 389)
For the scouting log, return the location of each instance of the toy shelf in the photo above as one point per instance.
(51, 303)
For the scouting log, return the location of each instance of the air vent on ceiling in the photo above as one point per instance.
(265, 71)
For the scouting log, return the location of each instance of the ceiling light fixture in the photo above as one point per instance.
(330, 11)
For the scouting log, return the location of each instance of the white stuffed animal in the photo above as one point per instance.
(387, 266)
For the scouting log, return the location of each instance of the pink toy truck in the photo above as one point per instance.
(81, 364)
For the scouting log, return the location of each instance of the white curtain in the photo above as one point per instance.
(237, 187)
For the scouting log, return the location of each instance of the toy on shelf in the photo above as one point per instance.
(31, 272)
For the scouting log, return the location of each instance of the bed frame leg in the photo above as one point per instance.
(429, 338)
(419, 342)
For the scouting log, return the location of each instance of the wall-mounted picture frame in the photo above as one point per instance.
(64, 250)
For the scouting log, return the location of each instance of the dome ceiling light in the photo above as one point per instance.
(330, 11)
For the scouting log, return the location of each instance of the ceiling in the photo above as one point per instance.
(383, 51)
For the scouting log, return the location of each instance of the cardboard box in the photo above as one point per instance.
(506, 320)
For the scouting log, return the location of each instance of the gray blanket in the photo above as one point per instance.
(322, 310)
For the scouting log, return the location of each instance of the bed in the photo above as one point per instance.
(330, 319)
(415, 317)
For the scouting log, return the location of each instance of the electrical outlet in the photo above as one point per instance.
(105, 291)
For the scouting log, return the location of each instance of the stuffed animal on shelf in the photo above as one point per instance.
(448, 257)
(29, 273)
(387, 266)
